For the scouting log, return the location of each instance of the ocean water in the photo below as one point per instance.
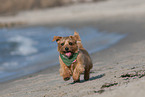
(28, 50)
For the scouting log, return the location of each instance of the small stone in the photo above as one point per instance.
(106, 85)
(99, 91)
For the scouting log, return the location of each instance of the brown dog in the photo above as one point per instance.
(74, 59)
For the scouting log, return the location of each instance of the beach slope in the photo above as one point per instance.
(118, 71)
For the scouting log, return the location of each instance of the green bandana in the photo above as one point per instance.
(69, 61)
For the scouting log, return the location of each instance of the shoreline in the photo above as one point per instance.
(122, 58)
(105, 41)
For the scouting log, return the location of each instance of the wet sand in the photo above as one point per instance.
(118, 71)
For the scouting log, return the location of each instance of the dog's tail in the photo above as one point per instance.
(79, 42)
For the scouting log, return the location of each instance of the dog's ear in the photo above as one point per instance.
(76, 33)
(77, 36)
(78, 39)
(56, 38)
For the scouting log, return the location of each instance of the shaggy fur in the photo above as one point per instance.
(83, 61)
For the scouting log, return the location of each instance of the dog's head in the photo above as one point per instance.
(67, 45)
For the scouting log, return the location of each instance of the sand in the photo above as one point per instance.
(118, 71)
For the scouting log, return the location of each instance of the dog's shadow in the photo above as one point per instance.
(92, 78)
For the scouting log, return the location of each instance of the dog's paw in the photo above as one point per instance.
(66, 79)
(77, 81)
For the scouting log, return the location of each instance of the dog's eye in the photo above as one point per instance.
(70, 43)
(57, 40)
(62, 44)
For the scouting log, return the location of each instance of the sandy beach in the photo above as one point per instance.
(118, 71)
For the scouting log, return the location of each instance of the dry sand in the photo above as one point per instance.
(118, 71)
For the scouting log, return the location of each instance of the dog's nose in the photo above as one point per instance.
(66, 48)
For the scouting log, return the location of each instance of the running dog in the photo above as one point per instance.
(73, 58)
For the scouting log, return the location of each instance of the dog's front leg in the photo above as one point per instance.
(77, 71)
(65, 72)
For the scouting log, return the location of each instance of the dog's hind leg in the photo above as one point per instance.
(87, 74)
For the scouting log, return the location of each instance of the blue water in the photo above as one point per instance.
(27, 50)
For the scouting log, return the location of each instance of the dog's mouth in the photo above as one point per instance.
(68, 54)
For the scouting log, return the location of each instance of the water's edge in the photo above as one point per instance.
(29, 50)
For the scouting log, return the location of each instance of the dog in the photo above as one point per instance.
(73, 58)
